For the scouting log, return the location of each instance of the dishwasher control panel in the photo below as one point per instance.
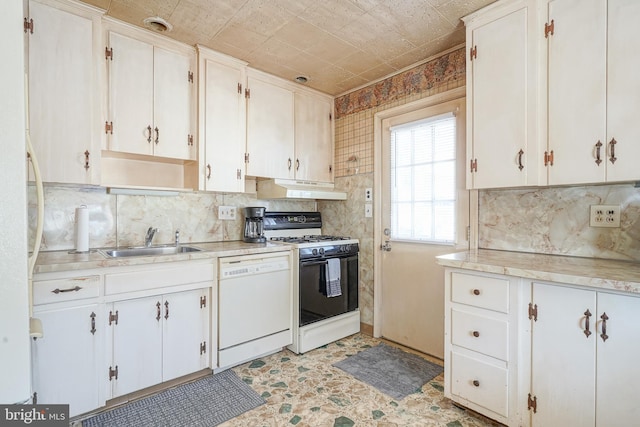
(251, 267)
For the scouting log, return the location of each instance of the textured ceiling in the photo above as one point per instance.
(337, 44)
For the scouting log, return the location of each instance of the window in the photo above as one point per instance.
(423, 180)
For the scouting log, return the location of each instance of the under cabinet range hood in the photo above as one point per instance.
(292, 189)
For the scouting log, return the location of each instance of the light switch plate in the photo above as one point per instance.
(368, 210)
(368, 194)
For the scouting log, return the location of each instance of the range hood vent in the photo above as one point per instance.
(292, 189)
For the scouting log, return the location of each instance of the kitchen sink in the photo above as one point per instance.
(147, 251)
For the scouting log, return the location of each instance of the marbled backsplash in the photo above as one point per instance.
(556, 221)
(122, 220)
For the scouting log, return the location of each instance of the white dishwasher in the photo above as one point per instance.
(254, 306)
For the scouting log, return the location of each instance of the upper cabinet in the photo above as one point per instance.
(64, 98)
(313, 137)
(592, 96)
(501, 109)
(151, 98)
(270, 127)
(222, 122)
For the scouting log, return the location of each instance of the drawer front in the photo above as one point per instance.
(480, 291)
(480, 333)
(68, 289)
(158, 277)
(478, 382)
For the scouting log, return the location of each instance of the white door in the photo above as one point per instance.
(131, 95)
(314, 141)
(618, 380)
(224, 127)
(137, 344)
(623, 86)
(564, 356)
(270, 133)
(172, 104)
(185, 330)
(577, 106)
(426, 214)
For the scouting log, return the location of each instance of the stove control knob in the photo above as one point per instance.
(321, 251)
(314, 252)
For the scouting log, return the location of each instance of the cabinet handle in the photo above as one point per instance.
(93, 323)
(476, 383)
(476, 334)
(520, 153)
(586, 331)
(604, 335)
(149, 134)
(208, 171)
(476, 291)
(598, 159)
(86, 160)
(60, 291)
(612, 144)
(297, 164)
(166, 309)
(158, 311)
(157, 135)
(289, 163)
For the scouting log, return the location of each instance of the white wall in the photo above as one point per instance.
(14, 312)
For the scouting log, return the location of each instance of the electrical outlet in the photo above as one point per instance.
(227, 213)
(368, 194)
(368, 210)
(604, 216)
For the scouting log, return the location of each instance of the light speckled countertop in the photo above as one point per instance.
(54, 261)
(593, 272)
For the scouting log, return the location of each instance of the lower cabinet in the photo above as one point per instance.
(157, 339)
(585, 349)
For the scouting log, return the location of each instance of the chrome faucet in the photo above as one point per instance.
(177, 238)
(149, 237)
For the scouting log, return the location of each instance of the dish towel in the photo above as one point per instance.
(333, 278)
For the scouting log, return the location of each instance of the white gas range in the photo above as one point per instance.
(326, 272)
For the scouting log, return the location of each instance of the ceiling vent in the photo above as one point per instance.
(157, 24)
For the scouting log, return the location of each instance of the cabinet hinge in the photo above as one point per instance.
(473, 53)
(330, 116)
(34, 398)
(247, 93)
(240, 88)
(108, 127)
(330, 168)
(239, 174)
(190, 140)
(203, 347)
(113, 373)
(474, 165)
(548, 29)
(108, 53)
(246, 157)
(28, 25)
(203, 301)
(113, 317)
(548, 158)
(532, 403)
(468, 232)
(190, 77)
(533, 312)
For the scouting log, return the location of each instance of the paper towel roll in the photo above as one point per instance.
(82, 229)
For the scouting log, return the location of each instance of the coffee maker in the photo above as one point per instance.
(253, 225)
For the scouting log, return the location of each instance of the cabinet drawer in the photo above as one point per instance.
(158, 277)
(478, 382)
(480, 291)
(67, 289)
(480, 333)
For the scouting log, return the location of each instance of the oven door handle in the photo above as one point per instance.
(310, 263)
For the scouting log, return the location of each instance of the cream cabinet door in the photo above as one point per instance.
(173, 95)
(62, 93)
(313, 138)
(131, 95)
(618, 379)
(563, 363)
(497, 130)
(270, 131)
(65, 359)
(184, 336)
(137, 344)
(224, 126)
(623, 89)
(577, 86)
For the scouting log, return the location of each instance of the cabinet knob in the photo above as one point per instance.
(476, 291)
(476, 334)
(476, 383)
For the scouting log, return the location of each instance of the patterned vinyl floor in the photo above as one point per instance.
(306, 391)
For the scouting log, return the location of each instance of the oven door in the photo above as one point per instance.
(315, 304)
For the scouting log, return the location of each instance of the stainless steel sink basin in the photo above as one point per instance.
(153, 250)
